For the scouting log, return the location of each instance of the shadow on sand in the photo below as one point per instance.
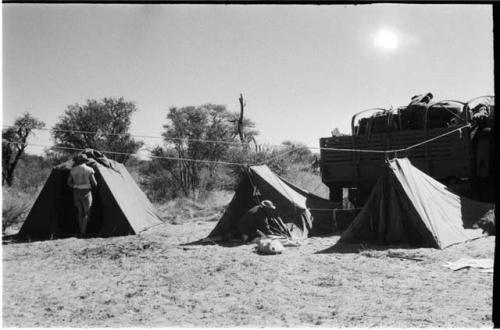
(361, 247)
(207, 241)
(15, 239)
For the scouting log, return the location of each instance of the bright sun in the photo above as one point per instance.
(386, 40)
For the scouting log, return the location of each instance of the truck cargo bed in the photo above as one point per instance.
(443, 158)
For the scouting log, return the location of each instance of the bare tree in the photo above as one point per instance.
(245, 127)
(240, 120)
(14, 142)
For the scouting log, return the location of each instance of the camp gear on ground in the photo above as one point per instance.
(119, 206)
(269, 246)
(292, 205)
(463, 263)
(408, 206)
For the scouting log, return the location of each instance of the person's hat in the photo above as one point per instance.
(80, 159)
(268, 203)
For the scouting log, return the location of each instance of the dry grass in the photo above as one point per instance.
(208, 208)
(308, 180)
(15, 207)
(153, 280)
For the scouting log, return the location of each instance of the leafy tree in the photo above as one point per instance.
(297, 152)
(107, 122)
(14, 142)
(185, 137)
(165, 178)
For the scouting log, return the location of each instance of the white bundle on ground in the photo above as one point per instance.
(485, 264)
(269, 246)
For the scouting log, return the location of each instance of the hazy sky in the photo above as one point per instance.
(303, 70)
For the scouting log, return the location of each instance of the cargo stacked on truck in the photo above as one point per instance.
(460, 158)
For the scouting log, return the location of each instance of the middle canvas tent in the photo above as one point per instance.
(301, 212)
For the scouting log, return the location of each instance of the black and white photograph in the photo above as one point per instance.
(248, 165)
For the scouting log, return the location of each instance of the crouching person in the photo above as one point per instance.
(256, 220)
(82, 180)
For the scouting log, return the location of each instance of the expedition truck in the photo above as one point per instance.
(460, 160)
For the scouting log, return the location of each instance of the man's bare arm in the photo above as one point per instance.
(93, 181)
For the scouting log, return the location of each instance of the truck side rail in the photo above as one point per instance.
(353, 120)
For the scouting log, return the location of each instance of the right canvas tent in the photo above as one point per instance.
(407, 206)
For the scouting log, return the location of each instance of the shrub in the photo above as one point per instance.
(31, 173)
(307, 179)
(157, 182)
(15, 207)
(208, 208)
(160, 183)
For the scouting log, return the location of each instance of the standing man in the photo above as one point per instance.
(82, 180)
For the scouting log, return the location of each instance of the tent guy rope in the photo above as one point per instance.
(244, 164)
(246, 143)
(129, 154)
(134, 135)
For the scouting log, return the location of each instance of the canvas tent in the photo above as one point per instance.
(119, 206)
(407, 206)
(301, 211)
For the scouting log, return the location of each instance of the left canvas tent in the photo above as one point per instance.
(119, 208)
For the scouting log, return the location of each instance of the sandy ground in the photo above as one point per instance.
(153, 280)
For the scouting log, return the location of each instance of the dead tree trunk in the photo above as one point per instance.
(240, 120)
